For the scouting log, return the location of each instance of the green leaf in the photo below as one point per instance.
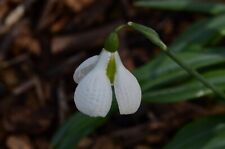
(200, 34)
(189, 90)
(199, 134)
(169, 71)
(218, 142)
(183, 5)
(74, 129)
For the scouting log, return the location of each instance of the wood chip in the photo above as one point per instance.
(18, 142)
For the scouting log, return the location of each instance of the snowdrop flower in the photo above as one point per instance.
(93, 95)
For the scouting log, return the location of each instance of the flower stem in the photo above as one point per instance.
(120, 27)
(150, 34)
(194, 73)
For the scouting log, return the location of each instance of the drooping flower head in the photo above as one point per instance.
(93, 95)
(97, 75)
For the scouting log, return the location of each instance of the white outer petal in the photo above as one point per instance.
(127, 89)
(93, 95)
(84, 68)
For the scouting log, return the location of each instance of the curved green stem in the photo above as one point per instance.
(120, 27)
(194, 74)
(154, 38)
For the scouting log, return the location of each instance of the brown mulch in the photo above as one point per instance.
(41, 44)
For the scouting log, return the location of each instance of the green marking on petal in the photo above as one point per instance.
(111, 69)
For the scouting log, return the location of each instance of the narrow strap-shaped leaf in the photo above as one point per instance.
(200, 34)
(217, 142)
(183, 5)
(186, 91)
(198, 133)
(169, 71)
(77, 127)
(195, 74)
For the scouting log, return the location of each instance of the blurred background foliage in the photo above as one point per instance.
(42, 42)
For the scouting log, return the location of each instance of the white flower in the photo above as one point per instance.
(93, 95)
